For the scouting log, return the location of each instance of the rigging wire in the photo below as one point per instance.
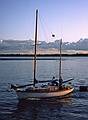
(45, 29)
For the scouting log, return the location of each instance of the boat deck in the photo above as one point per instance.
(45, 89)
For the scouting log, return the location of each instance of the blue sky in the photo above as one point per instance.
(67, 19)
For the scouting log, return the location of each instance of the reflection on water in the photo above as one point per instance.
(41, 109)
(21, 72)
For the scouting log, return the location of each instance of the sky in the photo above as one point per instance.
(67, 19)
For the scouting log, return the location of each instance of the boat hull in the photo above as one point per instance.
(29, 95)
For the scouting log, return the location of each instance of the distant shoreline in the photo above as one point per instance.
(40, 55)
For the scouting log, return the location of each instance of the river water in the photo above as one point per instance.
(72, 107)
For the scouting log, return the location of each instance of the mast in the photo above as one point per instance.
(35, 47)
(60, 77)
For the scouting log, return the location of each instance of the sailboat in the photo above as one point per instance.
(53, 88)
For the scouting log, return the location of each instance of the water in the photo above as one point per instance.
(73, 107)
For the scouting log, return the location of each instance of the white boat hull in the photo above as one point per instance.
(29, 95)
